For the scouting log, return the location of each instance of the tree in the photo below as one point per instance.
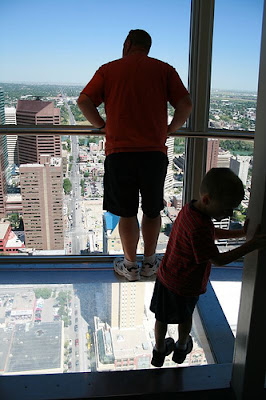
(67, 185)
(64, 297)
(179, 145)
(68, 145)
(86, 174)
(14, 220)
(45, 293)
(66, 320)
(238, 146)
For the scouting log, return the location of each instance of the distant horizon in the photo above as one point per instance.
(66, 41)
(83, 85)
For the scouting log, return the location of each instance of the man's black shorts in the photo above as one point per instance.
(128, 174)
(170, 308)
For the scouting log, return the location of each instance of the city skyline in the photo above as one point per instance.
(55, 54)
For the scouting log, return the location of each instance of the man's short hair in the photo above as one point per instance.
(222, 184)
(140, 38)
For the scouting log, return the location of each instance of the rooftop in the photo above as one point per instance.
(130, 343)
(36, 347)
(3, 229)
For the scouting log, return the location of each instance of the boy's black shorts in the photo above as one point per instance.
(128, 174)
(169, 307)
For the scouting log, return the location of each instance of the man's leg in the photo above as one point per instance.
(150, 231)
(129, 234)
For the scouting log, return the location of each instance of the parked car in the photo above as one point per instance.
(69, 365)
(70, 342)
(76, 328)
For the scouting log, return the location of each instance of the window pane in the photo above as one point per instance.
(238, 156)
(227, 283)
(83, 327)
(236, 50)
(50, 69)
(37, 99)
(53, 203)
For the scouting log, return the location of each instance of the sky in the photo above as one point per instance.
(66, 41)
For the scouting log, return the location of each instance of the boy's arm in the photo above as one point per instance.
(257, 242)
(231, 233)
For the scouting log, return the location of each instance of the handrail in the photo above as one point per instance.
(92, 131)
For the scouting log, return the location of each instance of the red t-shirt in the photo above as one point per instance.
(135, 90)
(186, 266)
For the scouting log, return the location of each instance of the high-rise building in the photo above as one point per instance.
(127, 305)
(169, 179)
(3, 186)
(212, 153)
(2, 107)
(37, 112)
(10, 116)
(240, 166)
(12, 151)
(30, 147)
(42, 203)
(224, 159)
(111, 238)
(3, 157)
(2, 122)
(101, 145)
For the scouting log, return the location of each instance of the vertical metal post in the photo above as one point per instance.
(250, 351)
(202, 13)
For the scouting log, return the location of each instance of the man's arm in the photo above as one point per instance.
(90, 111)
(182, 111)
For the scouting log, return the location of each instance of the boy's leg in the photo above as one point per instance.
(160, 332)
(184, 330)
(163, 346)
(184, 345)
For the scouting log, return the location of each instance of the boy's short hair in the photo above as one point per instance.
(221, 184)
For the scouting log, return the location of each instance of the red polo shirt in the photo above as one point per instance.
(186, 266)
(135, 90)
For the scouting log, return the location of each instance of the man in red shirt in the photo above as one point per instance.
(135, 90)
(184, 271)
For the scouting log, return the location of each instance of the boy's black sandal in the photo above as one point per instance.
(179, 356)
(158, 358)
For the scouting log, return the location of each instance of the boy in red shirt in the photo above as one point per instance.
(184, 271)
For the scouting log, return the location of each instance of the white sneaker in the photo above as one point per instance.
(148, 269)
(131, 274)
